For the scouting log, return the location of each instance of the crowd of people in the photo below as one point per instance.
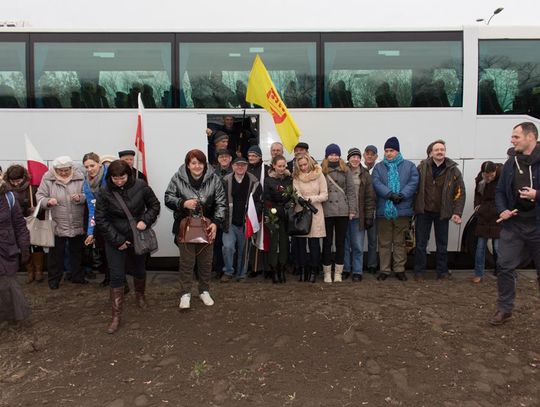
(345, 200)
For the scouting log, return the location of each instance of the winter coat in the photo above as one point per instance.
(340, 203)
(365, 195)
(14, 236)
(274, 187)
(453, 193)
(111, 220)
(312, 186)
(22, 194)
(408, 177)
(68, 215)
(91, 198)
(487, 215)
(211, 194)
(504, 195)
(253, 188)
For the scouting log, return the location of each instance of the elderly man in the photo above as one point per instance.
(129, 157)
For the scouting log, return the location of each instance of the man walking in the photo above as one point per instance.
(440, 197)
(517, 196)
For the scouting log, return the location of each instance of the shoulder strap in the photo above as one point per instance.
(11, 199)
(124, 207)
(336, 185)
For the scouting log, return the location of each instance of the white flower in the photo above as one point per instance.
(273, 211)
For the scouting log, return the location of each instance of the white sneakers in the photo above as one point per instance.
(184, 301)
(206, 299)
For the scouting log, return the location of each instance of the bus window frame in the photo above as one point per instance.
(23, 38)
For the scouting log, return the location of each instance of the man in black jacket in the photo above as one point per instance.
(517, 196)
(238, 187)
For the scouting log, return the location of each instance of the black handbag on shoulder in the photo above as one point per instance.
(144, 241)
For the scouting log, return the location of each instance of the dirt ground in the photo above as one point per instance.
(298, 344)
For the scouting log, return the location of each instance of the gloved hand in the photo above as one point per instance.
(395, 198)
(369, 223)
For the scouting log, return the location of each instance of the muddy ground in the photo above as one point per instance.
(298, 344)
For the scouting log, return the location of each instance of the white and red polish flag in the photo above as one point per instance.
(139, 139)
(252, 220)
(36, 166)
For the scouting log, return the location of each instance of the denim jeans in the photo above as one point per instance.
(234, 242)
(423, 230)
(354, 248)
(480, 257)
(373, 256)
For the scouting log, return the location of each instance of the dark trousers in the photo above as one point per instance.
(56, 259)
(200, 254)
(423, 230)
(118, 259)
(218, 253)
(314, 252)
(520, 239)
(279, 241)
(339, 224)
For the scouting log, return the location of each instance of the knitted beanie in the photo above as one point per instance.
(332, 149)
(392, 143)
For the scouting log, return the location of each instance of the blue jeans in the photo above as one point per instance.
(373, 256)
(423, 230)
(234, 242)
(354, 248)
(480, 257)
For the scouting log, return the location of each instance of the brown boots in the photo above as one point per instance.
(117, 301)
(140, 287)
(35, 268)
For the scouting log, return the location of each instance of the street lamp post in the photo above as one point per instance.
(497, 11)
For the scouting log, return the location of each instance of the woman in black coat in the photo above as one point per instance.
(14, 249)
(112, 222)
(486, 211)
(275, 185)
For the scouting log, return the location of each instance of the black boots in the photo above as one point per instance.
(313, 274)
(278, 274)
(303, 274)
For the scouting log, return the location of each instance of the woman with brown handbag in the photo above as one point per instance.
(197, 197)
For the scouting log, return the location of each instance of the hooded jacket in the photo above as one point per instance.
(504, 195)
(453, 193)
(68, 215)
(22, 193)
(211, 194)
(111, 220)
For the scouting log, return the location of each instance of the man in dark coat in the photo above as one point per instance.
(517, 197)
(129, 157)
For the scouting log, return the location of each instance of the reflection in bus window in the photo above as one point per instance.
(102, 75)
(392, 74)
(12, 75)
(215, 75)
(509, 75)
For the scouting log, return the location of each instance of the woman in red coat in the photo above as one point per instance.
(486, 211)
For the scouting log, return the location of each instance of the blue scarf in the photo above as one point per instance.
(390, 210)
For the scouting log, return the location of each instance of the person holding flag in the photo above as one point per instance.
(278, 182)
(240, 188)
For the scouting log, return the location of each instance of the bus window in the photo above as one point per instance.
(12, 75)
(102, 75)
(215, 75)
(377, 73)
(509, 77)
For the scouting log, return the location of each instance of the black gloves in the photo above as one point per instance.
(396, 198)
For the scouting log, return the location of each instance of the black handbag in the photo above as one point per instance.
(299, 223)
(144, 241)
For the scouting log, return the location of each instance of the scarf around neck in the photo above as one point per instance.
(390, 210)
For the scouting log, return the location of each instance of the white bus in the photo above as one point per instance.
(73, 92)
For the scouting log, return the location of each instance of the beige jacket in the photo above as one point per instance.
(68, 215)
(313, 186)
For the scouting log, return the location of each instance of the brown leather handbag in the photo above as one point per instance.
(193, 229)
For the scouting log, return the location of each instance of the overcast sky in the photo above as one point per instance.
(216, 15)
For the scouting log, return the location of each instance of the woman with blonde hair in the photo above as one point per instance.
(309, 183)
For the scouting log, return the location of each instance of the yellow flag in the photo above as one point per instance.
(261, 91)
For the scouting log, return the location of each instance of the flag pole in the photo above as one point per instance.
(31, 197)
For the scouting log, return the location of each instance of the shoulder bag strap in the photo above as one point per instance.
(336, 185)
(11, 199)
(126, 211)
